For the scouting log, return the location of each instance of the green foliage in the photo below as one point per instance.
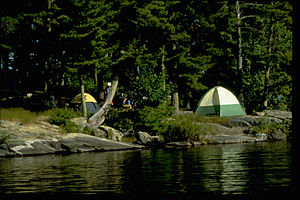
(62, 116)
(179, 46)
(158, 121)
(70, 127)
(151, 118)
(184, 128)
(270, 128)
(147, 119)
(88, 131)
(122, 119)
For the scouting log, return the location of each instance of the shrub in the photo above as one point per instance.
(184, 128)
(270, 128)
(59, 116)
(70, 127)
(147, 119)
(122, 119)
(62, 116)
(150, 119)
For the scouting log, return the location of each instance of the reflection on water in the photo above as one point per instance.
(221, 169)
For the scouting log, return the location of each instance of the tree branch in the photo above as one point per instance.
(248, 16)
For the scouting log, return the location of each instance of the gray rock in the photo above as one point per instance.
(80, 121)
(277, 135)
(144, 138)
(261, 137)
(249, 121)
(4, 153)
(183, 144)
(238, 122)
(278, 114)
(197, 143)
(33, 147)
(76, 142)
(111, 133)
(99, 133)
(229, 139)
(245, 121)
(70, 143)
(269, 120)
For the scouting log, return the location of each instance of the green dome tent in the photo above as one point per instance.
(219, 101)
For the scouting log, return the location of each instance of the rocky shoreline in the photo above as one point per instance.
(41, 137)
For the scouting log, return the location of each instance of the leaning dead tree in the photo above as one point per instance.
(98, 118)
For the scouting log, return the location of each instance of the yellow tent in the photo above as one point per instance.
(90, 102)
(88, 98)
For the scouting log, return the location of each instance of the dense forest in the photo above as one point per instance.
(159, 51)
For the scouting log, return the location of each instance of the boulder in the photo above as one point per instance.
(278, 114)
(261, 137)
(80, 121)
(144, 138)
(70, 143)
(240, 122)
(42, 137)
(77, 142)
(249, 121)
(111, 133)
(230, 139)
(5, 151)
(33, 147)
(277, 135)
(182, 144)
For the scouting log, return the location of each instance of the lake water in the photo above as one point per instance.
(217, 169)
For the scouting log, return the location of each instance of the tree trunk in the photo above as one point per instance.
(101, 96)
(83, 102)
(175, 94)
(268, 67)
(176, 101)
(240, 58)
(98, 118)
(163, 68)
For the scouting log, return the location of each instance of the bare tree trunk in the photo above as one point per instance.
(176, 101)
(83, 101)
(269, 65)
(48, 61)
(163, 68)
(240, 58)
(175, 94)
(98, 118)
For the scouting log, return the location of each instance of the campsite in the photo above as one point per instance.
(159, 82)
(158, 79)
(155, 72)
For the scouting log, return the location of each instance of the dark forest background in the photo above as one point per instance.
(158, 49)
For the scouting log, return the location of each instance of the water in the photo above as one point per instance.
(217, 169)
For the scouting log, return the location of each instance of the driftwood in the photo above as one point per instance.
(98, 118)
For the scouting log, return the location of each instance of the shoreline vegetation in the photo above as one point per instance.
(63, 130)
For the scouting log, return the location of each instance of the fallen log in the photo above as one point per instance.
(98, 118)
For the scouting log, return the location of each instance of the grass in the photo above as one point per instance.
(21, 115)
